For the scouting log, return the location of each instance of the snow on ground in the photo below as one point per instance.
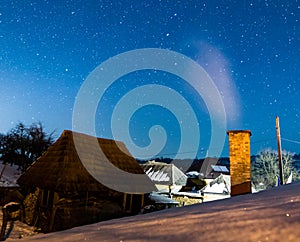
(272, 215)
(17, 229)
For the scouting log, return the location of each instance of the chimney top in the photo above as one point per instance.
(239, 131)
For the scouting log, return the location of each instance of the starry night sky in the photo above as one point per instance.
(250, 49)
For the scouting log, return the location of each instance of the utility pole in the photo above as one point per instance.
(279, 151)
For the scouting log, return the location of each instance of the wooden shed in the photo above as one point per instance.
(63, 194)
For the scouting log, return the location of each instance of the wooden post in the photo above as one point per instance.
(131, 200)
(143, 200)
(86, 200)
(4, 223)
(11, 212)
(281, 176)
(52, 218)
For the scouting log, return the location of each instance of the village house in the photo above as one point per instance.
(171, 181)
(61, 193)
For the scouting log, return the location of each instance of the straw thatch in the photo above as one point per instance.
(60, 169)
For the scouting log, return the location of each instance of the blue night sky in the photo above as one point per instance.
(250, 50)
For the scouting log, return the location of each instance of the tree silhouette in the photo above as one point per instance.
(23, 145)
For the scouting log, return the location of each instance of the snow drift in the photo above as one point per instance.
(272, 215)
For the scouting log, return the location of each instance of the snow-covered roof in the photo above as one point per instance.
(164, 174)
(220, 168)
(241, 218)
(10, 175)
(220, 185)
(193, 174)
(162, 199)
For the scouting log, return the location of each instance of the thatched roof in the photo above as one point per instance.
(61, 168)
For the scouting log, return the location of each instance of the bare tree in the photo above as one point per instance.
(265, 168)
(22, 145)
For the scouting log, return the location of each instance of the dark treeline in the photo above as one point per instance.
(223, 161)
(22, 145)
(190, 164)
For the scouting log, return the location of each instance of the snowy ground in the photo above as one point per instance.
(18, 229)
(272, 215)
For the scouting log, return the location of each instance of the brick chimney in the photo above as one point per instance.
(239, 152)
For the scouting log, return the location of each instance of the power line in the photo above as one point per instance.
(202, 150)
(292, 141)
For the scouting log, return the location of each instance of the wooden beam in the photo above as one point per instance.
(124, 200)
(131, 199)
(143, 200)
(52, 218)
(4, 223)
